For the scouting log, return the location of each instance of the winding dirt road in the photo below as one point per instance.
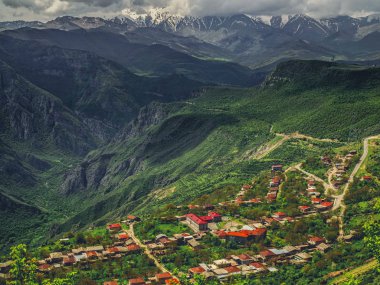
(159, 265)
(339, 199)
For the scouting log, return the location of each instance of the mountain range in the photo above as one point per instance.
(248, 40)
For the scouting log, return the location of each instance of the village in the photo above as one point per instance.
(227, 229)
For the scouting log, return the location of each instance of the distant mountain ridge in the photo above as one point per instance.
(292, 24)
(256, 42)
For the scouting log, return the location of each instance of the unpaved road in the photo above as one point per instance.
(159, 265)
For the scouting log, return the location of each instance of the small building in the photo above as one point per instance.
(92, 255)
(216, 217)
(113, 282)
(367, 178)
(45, 267)
(123, 237)
(194, 244)
(323, 247)
(196, 270)
(221, 263)
(259, 267)
(304, 209)
(279, 215)
(316, 201)
(56, 257)
(133, 248)
(97, 248)
(266, 255)
(69, 260)
(131, 219)
(315, 240)
(243, 259)
(136, 281)
(196, 222)
(162, 277)
(275, 182)
(303, 256)
(114, 227)
(277, 167)
(327, 204)
(246, 187)
(232, 270)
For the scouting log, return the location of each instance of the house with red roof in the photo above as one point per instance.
(69, 260)
(246, 187)
(304, 209)
(196, 222)
(244, 236)
(367, 178)
(315, 240)
(114, 227)
(266, 255)
(279, 215)
(232, 270)
(275, 182)
(272, 196)
(316, 201)
(123, 237)
(216, 218)
(242, 259)
(196, 270)
(113, 282)
(172, 281)
(324, 206)
(258, 266)
(133, 248)
(92, 255)
(162, 277)
(136, 281)
(132, 218)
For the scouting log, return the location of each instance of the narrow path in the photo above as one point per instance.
(268, 148)
(326, 185)
(159, 265)
(349, 182)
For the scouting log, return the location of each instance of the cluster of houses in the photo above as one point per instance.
(317, 204)
(274, 184)
(123, 245)
(162, 243)
(264, 261)
(158, 279)
(342, 166)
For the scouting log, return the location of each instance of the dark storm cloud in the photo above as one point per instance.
(19, 3)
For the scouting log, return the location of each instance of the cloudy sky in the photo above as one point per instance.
(48, 9)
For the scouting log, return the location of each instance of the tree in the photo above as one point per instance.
(23, 270)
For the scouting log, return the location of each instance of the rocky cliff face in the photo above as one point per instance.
(97, 172)
(31, 114)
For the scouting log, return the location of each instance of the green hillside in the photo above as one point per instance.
(209, 142)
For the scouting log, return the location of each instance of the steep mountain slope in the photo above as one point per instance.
(192, 148)
(103, 92)
(153, 60)
(57, 105)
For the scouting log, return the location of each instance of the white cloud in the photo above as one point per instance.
(47, 8)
